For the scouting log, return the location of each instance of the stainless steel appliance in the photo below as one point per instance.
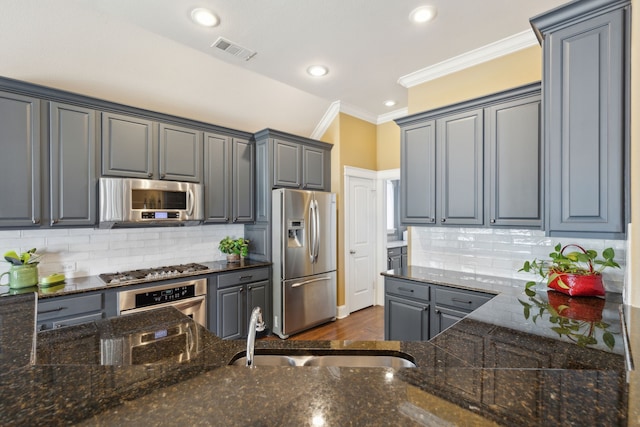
(142, 202)
(152, 274)
(190, 297)
(304, 259)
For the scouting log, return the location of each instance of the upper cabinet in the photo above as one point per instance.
(73, 178)
(140, 148)
(20, 161)
(229, 172)
(474, 163)
(586, 73)
(290, 161)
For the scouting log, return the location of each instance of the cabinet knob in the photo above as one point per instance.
(54, 221)
(149, 174)
(388, 259)
(438, 311)
(432, 220)
(36, 220)
(492, 221)
(443, 219)
(235, 219)
(226, 218)
(352, 252)
(163, 175)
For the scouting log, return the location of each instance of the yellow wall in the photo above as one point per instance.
(388, 146)
(354, 144)
(516, 69)
(634, 237)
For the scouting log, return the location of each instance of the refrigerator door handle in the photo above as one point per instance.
(306, 282)
(312, 232)
(317, 239)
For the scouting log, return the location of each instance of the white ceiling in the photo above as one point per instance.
(367, 44)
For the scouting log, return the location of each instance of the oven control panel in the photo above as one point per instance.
(160, 296)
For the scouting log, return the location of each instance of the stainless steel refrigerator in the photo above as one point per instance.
(304, 259)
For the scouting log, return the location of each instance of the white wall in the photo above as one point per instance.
(106, 251)
(500, 252)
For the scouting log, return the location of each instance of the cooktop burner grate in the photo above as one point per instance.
(152, 274)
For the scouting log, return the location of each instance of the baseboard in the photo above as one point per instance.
(343, 312)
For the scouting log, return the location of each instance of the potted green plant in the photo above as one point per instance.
(577, 273)
(234, 248)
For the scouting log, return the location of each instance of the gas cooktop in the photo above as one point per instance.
(152, 274)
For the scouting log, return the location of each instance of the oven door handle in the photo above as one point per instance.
(190, 202)
(180, 305)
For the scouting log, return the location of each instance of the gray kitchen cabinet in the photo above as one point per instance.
(406, 310)
(229, 179)
(314, 170)
(451, 157)
(139, 148)
(58, 312)
(127, 146)
(586, 117)
(514, 147)
(180, 153)
(72, 184)
(20, 161)
(404, 256)
(460, 153)
(394, 258)
(418, 173)
(287, 168)
(420, 311)
(237, 294)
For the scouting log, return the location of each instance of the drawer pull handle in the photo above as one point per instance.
(52, 310)
(245, 277)
(460, 300)
(405, 290)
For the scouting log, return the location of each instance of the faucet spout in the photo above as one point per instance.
(256, 324)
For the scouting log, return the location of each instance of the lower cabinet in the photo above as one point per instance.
(237, 294)
(70, 310)
(417, 311)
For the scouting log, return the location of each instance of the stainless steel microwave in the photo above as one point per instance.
(141, 202)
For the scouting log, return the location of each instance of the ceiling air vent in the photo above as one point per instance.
(234, 49)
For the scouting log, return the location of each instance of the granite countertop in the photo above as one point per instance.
(495, 367)
(94, 283)
(396, 244)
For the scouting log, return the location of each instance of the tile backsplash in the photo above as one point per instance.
(500, 252)
(94, 251)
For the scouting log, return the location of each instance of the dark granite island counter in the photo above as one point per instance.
(495, 367)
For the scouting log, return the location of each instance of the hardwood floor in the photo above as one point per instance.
(364, 325)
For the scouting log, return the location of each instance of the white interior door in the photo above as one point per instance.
(361, 244)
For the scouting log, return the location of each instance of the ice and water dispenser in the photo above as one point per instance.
(295, 232)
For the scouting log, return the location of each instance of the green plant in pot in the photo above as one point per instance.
(577, 273)
(234, 248)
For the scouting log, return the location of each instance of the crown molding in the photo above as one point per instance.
(337, 107)
(392, 115)
(326, 120)
(486, 53)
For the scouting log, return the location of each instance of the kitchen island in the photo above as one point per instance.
(495, 367)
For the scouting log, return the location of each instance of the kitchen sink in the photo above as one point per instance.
(358, 360)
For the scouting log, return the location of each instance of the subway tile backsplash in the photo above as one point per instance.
(95, 251)
(500, 252)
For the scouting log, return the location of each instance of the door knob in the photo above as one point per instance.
(352, 252)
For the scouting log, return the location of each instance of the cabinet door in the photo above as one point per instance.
(127, 146)
(405, 320)
(217, 175)
(444, 318)
(461, 159)
(585, 120)
(286, 164)
(515, 163)
(73, 165)
(394, 258)
(243, 181)
(313, 169)
(20, 185)
(418, 174)
(180, 153)
(230, 304)
(258, 296)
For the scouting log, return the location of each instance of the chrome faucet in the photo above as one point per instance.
(256, 324)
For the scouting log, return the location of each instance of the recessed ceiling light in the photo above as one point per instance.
(390, 103)
(204, 17)
(317, 70)
(423, 14)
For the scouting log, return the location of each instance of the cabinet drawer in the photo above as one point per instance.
(464, 300)
(242, 276)
(76, 320)
(407, 288)
(62, 307)
(394, 251)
